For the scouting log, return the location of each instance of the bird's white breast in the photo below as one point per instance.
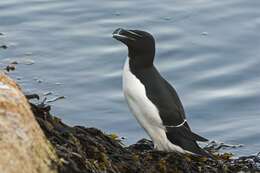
(140, 105)
(144, 110)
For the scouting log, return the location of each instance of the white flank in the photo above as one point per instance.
(145, 111)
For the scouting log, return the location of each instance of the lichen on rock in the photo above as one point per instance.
(23, 146)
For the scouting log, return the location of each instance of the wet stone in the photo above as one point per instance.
(10, 67)
(4, 46)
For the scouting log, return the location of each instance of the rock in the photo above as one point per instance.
(23, 146)
(84, 149)
(4, 46)
(10, 67)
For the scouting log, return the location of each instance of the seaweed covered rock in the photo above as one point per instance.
(23, 146)
(83, 150)
(25, 149)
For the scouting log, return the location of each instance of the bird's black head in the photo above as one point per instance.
(141, 46)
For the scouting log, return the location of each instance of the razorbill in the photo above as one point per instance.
(153, 101)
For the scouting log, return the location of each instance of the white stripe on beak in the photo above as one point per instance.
(122, 36)
(138, 35)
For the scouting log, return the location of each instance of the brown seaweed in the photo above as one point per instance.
(83, 150)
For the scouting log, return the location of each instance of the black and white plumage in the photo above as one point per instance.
(152, 100)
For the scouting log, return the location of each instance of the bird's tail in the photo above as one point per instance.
(186, 139)
(199, 151)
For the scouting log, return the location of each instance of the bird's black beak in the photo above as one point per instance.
(125, 36)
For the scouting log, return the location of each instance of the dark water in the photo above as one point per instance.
(209, 50)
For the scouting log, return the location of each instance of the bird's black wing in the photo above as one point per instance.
(167, 101)
(181, 134)
(164, 96)
(175, 98)
(183, 129)
(170, 108)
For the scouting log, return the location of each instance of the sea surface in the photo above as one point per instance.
(209, 50)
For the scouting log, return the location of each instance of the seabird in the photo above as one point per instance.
(152, 100)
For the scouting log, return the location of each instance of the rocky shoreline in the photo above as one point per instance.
(83, 150)
(52, 146)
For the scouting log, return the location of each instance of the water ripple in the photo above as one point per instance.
(216, 74)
